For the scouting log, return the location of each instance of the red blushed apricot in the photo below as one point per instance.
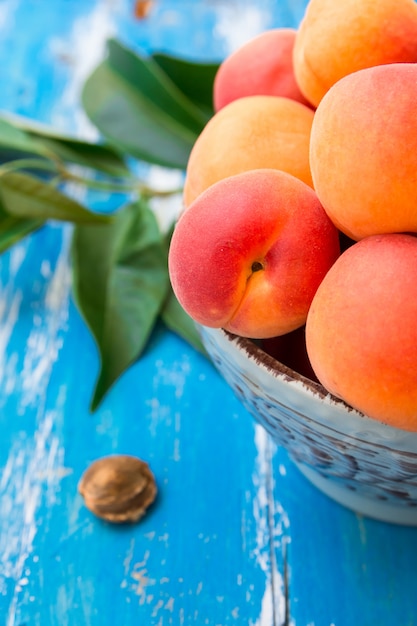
(363, 151)
(337, 38)
(250, 252)
(251, 133)
(262, 66)
(361, 330)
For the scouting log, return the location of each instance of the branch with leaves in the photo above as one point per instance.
(147, 109)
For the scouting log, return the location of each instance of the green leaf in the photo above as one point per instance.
(120, 282)
(177, 320)
(195, 80)
(33, 137)
(140, 111)
(24, 196)
(13, 229)
(154, 84)
(18, 141)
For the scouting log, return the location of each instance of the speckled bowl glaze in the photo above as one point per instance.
(361, 463)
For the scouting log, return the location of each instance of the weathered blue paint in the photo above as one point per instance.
(237, 535)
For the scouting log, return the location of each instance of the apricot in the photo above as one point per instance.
(336, 38)
(262, 66)
(361, 330)
(363, 151)
(250, 133)
(249, 253)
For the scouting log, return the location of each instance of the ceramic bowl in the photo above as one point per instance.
(361, 463)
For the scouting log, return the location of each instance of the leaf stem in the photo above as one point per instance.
(28, 164)
(114, 186)
(62, 174)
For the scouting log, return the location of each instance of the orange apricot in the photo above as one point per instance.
(363, 151)
(338, 37)
(262, 66)
(251, 133)
(361, 330)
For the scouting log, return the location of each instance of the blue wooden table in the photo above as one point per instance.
(236, 535)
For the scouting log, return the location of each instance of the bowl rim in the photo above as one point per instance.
(276, 367)
(365, 427)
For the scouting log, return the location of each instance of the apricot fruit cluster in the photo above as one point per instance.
(300, 201)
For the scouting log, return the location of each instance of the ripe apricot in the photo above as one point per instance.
(361, 330)
(338, 37)
(363, 152)
(249, 253)
(250, 133)
(262, 66)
